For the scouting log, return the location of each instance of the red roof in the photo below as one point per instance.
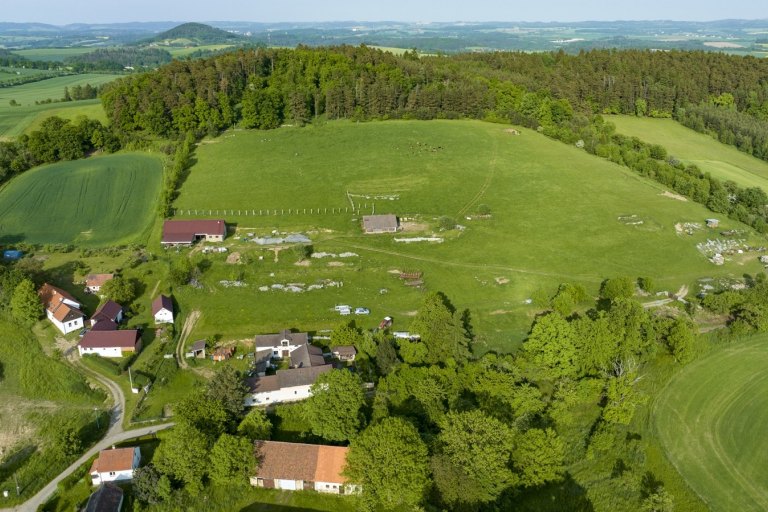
(298, 461)
(110, 339)
(52, 296)
(107, 311)
(116, 459)
(185, 231)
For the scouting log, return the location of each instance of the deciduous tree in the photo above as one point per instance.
(334, 411)
(232, 460)
(25, 304)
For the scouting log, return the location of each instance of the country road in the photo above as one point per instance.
(118, 397)
(46, 492)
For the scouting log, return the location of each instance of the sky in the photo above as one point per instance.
(60, 12)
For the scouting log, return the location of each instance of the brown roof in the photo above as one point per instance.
(379, 222)
(185, 231)
(97, 279)
(108, 339)
(345, 350)
(107, 311)
(104, 325)
(298, 461)
(162, 302)
(116, 459)
(64, 312)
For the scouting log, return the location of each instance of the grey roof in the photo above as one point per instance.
(307, 355)
(298, 238)
(262, 359)
(107, 498)
(301, 376)
(198, 346)
(345, 350)
(273, 340)
(380, 222)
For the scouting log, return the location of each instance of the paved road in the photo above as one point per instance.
(46, 492)
(118, 397)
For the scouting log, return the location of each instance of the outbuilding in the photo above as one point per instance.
(380, 223)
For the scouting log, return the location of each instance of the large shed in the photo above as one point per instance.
(380, 223)
(186, 232)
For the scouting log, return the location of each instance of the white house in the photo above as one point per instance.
(162, 310)
(110, 343)
(61, 308)
(117, 464)
(285, 386)
(298, 466)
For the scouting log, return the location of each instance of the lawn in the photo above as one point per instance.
(556, 217)
(15, 120)
(711, 420)
(106, 200)
(53, 54)
(720, 160)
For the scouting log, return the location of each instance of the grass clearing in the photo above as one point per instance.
(15, 120)
(721, 160)
(106, 200)
(710, 420)
(181, 52)
(53, 54)
(555, 217)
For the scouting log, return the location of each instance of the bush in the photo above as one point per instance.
(446, 223)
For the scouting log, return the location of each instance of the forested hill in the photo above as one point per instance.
(197, 33)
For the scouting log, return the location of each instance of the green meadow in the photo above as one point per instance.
(720, 160)
(15, 120)
(107, 200)
(711, 421)
(53, 54)
(558, 214)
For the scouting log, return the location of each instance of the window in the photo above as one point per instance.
(284, 343)
(275, 353)
(295, 392)
(327, 486)
(111, 473)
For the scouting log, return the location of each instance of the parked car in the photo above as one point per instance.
(341, 306)
(362, 311)
(345, 311)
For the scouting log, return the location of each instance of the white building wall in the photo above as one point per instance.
(291, 394)
(329, 487)
(103, 352)
(65, 327)
(115, 476)
(164, 317)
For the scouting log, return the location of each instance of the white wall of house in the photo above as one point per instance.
(214, 238)
(111, 476)
(102, 351)
(291, 394)
(164, 317)
(289, 485)
(65, 327)
(329, 487)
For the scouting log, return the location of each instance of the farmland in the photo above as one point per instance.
(14, 120)
(711, 419)
(53, 54)
(100, 201)
(720, 160)
(557, 216)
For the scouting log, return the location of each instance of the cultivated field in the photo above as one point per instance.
(720, 160)
(711, 419)
(55, 54)
(14, 120)
(106, 200)
(558, 214)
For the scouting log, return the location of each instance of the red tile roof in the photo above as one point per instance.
(298, 461)
(52, 296)
(116, 459)
(110, 339)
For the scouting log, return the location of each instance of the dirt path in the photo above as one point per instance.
(154, 290)
(189, 324)
(118, 397)
(485, 186)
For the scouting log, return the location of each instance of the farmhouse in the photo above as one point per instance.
(115, 465)
(344, 352)
(110, 343)
(94, 282)
(107, 498)
(298, 466)
(293, 346)
(62, 309)
(162, 310)
(380, 223)
(186, 232)
(285, 386)
(108, 315)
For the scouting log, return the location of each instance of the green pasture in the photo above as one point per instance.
(556, 217)
(182, 51)
(15, 120)
(711, 421)
(720, 160)
(53, 54)
(107, 200)
(9, 74)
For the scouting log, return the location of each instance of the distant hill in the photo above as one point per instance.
(194, 33)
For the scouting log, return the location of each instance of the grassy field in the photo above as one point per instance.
(711, 420)
(53, 54)
(107, 200)
(556, 216)
(183, 51)
(15, 120)
(10, 74)
(720, 160)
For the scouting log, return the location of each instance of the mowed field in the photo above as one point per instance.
(712, 418)
(720, 160)
(56, 54)
(106, 200)
(16, 120)
(558, 215)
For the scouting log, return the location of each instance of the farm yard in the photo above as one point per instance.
(558, 215)
(15, 120)
(711, 420)
(720, 160)
(95, 202)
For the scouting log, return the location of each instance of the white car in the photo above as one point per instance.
(345, 311)
(362, 311)
(341, 306)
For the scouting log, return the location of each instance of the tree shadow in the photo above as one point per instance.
(564, 496)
